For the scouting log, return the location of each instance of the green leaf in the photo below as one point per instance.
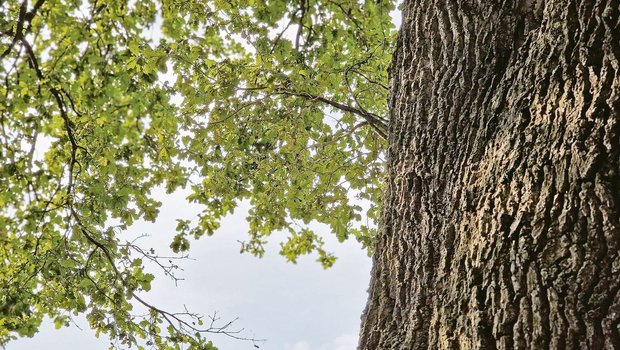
(97, 115)
(68, 263)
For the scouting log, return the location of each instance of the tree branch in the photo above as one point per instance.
(61, 107)
(24, 17)
(378, 123)
(175, 320)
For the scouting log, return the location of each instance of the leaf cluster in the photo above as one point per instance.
(278, 103)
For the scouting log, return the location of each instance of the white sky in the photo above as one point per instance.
(294, 306)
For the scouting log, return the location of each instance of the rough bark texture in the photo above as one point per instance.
(501, 221)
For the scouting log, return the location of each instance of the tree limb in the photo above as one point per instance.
(375, 121)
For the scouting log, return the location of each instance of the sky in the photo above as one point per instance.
(293, 306)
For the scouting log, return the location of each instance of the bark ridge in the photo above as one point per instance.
(501, 223)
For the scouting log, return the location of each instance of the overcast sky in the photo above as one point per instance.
(293, 306)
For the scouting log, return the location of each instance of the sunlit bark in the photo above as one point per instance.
(501, 227)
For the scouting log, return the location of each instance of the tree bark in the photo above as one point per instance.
(500, 225)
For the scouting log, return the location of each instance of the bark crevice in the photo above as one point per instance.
(501, 222)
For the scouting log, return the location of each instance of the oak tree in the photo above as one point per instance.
(500, 223)
(500, 227)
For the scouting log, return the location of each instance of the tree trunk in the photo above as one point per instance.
(500, 225)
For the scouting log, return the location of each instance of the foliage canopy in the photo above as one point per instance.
(280, 103)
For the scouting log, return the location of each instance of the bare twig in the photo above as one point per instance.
(175, 320)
